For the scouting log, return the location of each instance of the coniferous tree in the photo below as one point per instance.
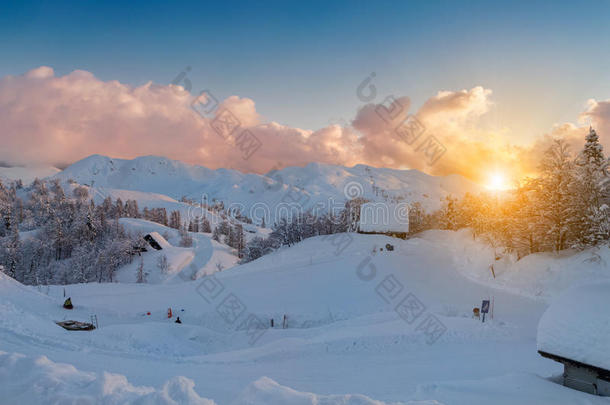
(185, 238)
(216, 234)
(174, 220)
(205, 226)
(591, 192)
(118, 208)
(556, 182)
(140, 274)
(163, 264)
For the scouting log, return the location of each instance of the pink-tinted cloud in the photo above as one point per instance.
(58, 120)
(599, 113)
(46, 118)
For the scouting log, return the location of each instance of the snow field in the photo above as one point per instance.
(345, 343)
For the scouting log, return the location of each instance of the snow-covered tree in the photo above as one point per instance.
(237, 240)
(163, 264)
(186, 239)
(351, 213)
(258, 247)
(216, 234)
(591, 193)
(175, 220)
(556, 184)
(141, 274)
(10, 254)
(450, 214)
(205, 226)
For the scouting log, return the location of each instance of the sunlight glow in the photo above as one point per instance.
(497, 181)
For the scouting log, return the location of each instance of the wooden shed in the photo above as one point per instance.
(156, 241)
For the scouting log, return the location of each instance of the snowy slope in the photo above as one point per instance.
(149, 200)
(313, 184)
(345, 342)
(185, 264)
(540, 275)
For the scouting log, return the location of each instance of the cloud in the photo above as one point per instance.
(53, 119)
(599, 113)
(458, 105)
(49, 119)
(60, 119)
(450, 118)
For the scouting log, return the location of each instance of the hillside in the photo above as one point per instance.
(206, 256)
(341, 308)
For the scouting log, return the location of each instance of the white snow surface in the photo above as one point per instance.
(577, 325)
(39, 380)
(344, 343)
(185, 263)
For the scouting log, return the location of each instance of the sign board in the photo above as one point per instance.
(485, 307)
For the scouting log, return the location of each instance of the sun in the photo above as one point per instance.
(497, 181)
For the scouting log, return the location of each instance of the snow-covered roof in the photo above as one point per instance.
(577, 326)
(160, 239)
(383, 217)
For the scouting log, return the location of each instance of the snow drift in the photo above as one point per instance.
(577, 326)
(265, 391)
(39, 380)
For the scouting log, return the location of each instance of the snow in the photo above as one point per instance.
(326, 185)
(577, 325)
(375, 217)
(40, 380)
(155, 200)
(345, 342)
(265, 391)
(160, 240)
(541, 276)
(204, 257)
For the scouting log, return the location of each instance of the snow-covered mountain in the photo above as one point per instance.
(311, 185)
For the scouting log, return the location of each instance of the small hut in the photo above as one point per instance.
(156, 241)
(574, 331)
(384, 219)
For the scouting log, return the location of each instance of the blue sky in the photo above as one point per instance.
(301, 62)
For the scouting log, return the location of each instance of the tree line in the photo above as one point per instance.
(48, 237)
(566, 206)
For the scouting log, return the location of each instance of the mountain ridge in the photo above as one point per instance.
(314, 183)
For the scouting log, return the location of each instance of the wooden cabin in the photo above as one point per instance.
(156, 241)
